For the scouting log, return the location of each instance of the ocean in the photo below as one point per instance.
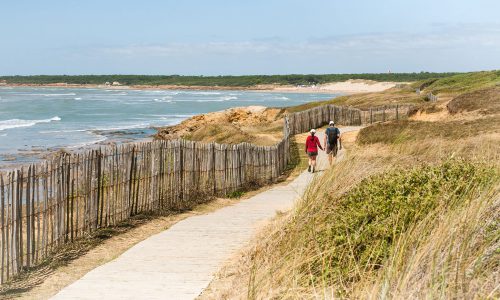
(36, 120)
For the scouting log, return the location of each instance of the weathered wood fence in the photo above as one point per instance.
(431, 97)
(318, 116)
(46, 205)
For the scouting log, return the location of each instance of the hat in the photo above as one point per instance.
(331, 123)
(313, 131)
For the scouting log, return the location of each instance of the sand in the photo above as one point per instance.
(353, 86)
(346, 87)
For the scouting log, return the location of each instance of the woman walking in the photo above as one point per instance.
(312, 144)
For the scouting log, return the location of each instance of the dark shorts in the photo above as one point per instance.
(312, 154)
(332, 149)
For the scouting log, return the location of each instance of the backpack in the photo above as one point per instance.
(332, 133)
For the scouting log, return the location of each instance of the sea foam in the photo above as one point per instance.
(227, 98)
(15, 123)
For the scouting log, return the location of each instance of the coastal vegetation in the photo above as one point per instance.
(460, 83)
(255, 124)
(410, 212)
(446, 87)
(213, 81)
(367, 100)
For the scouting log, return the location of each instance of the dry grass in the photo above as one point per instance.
(411, 213)
(367, 100)
(485, 101)
(399, 132)
(448, 252)
(452, 254)
(224, 133)
(264, 134)
(253, 124)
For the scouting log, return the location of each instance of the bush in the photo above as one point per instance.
(361, 226)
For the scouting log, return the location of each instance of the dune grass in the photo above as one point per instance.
(486, 101)
(461, 83)
(450, 254)
(377, 223)
(220, 133)
(365, 101)
(455, 85)
(399, 132)
(410, 213)
(397, 219)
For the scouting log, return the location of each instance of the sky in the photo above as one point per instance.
(237, 37)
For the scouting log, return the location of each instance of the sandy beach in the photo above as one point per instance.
(346, 87)
(353, 86)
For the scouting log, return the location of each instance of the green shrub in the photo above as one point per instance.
(355, 232)
(236, 194)
(462, 82)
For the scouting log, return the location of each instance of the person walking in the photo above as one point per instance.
(312, 144)
(332, 142)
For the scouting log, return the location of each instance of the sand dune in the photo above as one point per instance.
(347, 87)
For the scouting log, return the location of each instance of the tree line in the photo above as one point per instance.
(226, 80)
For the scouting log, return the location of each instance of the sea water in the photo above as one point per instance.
(34, 120)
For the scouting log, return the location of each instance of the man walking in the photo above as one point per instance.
(332, 141)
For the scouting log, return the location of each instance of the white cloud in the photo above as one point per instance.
(444, 37)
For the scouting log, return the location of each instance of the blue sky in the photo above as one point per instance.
(215, 37)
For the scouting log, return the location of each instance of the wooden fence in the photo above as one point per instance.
(46, 205)
(385, 113)
(318, 116)
(431, 97)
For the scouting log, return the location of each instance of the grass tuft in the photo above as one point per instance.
(340, 239)
(486, 101)
(400, 132)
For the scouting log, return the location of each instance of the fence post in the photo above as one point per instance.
(103, 186)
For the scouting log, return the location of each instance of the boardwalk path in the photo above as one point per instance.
(180, 262)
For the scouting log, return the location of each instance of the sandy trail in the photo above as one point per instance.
(180, 262)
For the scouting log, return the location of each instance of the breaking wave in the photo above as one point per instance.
(227, 98)
(15, 123)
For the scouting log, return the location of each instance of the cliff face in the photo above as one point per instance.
(245, 122)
